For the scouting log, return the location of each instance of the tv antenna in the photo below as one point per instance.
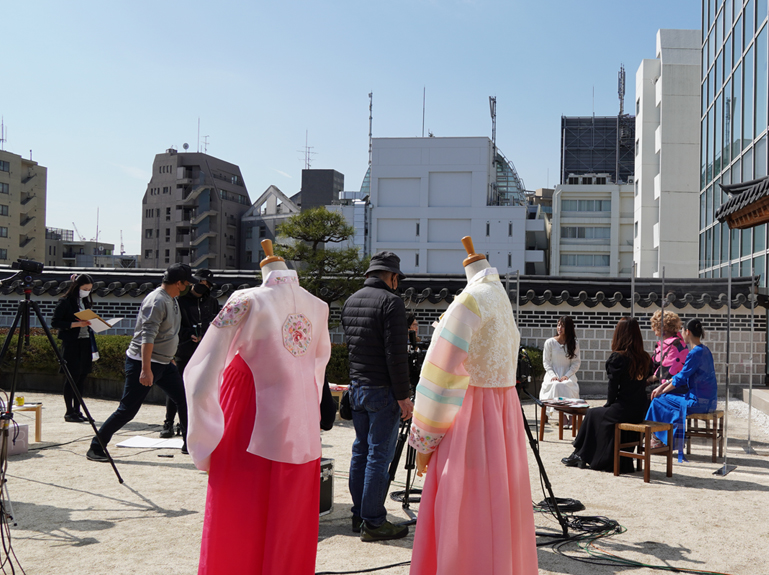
(122, 247)
(205, 144)
(621, 89)
(370, 125)
(308, 153)
(3, 133)
(493, 111)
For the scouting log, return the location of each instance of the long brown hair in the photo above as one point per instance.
(571, 338)
(628, 341)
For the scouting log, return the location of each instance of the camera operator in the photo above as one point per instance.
(374, 320)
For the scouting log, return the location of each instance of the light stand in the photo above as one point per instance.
(411, 457)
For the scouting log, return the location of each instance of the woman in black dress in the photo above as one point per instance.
(627, 369)
(75, 336)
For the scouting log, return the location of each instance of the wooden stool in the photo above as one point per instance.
(577, 412)
(714, 432)
(38, 409)
(645, 451)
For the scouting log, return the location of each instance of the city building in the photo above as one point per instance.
(427, 193)
(592, 227)
(733, 118)
(62, 250)
(598, 145)
(22, 208)
(320, 188)
(356, 209)
(667, 133)
(260, 221)
(192, 212)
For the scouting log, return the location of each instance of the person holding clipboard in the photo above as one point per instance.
(77, 340)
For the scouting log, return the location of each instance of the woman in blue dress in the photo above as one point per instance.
(692, 390)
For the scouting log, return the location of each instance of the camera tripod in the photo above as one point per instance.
(21, 320)
(411, 457)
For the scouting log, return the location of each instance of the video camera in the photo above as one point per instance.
(29, 266)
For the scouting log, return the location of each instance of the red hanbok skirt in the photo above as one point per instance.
(261, 515)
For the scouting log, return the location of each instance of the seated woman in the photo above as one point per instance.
(692, 390)
(627, 368)
(560, 358)
(674, 348)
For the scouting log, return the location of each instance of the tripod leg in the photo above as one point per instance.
(72, 385)
(24, 316)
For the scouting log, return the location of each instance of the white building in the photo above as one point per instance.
(427, 193)
(667, 154)
(592, 233)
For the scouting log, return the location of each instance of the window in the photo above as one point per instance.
(635, 230)
(3, 254)
(5, 166)
(3, 210)
(168, 234)
(638, 106)
(509, 260)
(600, 181)
(168, 256)
(166, 189)
(168, 214)
(4, 234)
(637, 147)
(416, 258)
(417, 231)
(585, 260)
(262, 232)
(249, 234)
(248, 257)
(587, 181)
(585, 233)
(5, 189)
(488, 229)
(509, 229)
(573, 181)
(148, 233)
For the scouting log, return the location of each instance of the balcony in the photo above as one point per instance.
(25, 240)
(232, 221)
(199, 238)
(231, 243)
(25, 220)
(69, 255)
(203, 216)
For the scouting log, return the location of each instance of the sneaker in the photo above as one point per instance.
(167, 431)
(384, 532)
(71, 418)
(356, 523)
(96, 454)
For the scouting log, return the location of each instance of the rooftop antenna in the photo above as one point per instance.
(3, 133)
(122, 247)
(308, 153)
(493, 110)
(424, 96)
(621, 89)
(371, 124)
(205, 144)
(97, 225)
(198, 134)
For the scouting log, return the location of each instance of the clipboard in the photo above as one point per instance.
(98, 324)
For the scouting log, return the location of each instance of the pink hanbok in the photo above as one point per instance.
(253, 393)
(476, 514)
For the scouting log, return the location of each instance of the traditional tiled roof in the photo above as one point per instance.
(538, 290)
(743, 195)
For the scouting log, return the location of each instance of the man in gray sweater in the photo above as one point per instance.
(149, 358)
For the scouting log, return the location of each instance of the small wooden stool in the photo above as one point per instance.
(645, 451)
(38, 409)
(714, 432)
(577, 412)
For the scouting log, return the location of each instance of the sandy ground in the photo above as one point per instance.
(73, 516)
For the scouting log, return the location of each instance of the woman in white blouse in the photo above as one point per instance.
(560, 359)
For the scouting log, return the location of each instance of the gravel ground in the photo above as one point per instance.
(72, 515)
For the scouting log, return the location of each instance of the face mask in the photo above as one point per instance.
(201, 289)
(84, 293)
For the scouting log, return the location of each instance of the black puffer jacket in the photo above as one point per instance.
(374, 321)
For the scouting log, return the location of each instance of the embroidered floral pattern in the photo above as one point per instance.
(297, 334)
(275, 279)
(424, 442)
(233, 311)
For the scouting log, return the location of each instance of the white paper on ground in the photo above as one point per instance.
(144, 442)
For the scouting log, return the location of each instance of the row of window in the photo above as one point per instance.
(250, 232)
(586, 180)
(5, 166)
(585, 260)
(225, 195)
(585, 205)
(586, 233)
(720, 245)
(156, 191)
(164, 169)
(3, 210)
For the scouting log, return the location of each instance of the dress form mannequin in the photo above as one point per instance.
(271, 262)
(473, 262)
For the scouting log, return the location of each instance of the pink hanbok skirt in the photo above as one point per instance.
(261, 515)
(476, 514)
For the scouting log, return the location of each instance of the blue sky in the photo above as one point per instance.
(96, 89)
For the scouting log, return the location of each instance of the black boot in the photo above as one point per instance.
(574, 460)
(168, 430)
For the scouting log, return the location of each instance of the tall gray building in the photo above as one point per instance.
(192, 212)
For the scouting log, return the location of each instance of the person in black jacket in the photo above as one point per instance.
(75, 336)
(198, 310)
(627, 368)
(374, 321)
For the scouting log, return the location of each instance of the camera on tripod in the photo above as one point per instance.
(417, 352)
(30, 266)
